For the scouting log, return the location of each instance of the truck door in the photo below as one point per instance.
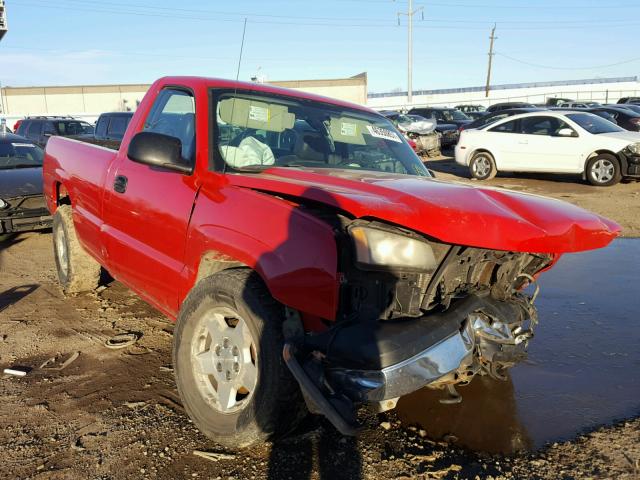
(147, 209)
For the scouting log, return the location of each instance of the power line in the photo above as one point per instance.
(335, 21)
(550, 67)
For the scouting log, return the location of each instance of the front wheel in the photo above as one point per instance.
(228, 363)
(482, 166)
(603, 170)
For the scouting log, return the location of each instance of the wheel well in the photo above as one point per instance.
(595, 154)
(481, 150)
(213, 262)
(62, 195)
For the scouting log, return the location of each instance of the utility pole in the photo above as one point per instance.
(410, 13)
(491, 54)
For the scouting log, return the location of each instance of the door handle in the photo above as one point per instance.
(120, 184)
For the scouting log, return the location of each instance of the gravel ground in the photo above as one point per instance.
(115, 414)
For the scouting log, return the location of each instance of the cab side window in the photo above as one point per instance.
(34, 130)
(173, 114)
(506, 127)
(548, 126)
(101, 127)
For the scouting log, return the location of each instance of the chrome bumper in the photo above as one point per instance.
(409, 375)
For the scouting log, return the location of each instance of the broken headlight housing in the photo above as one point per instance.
(634, 148)
(381, 249)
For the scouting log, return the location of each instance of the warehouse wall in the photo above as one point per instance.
(599, 90)
(86, 101)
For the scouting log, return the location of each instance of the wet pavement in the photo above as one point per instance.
(583, 369)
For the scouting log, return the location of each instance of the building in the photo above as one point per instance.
(88, 101)
(602, 90)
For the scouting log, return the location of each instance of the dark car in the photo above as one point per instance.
(635, 100)
(443, 115)
(496, 107)
(499, 115)
(625, 118)
(39, 129)
(629, 106)
(109, 130)
(472, 111)
(22, 205)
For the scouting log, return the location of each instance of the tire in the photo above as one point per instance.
(265, 400)
(603, 170)
(77, 270)
(482, 166)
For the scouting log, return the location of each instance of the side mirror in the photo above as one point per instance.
(158, 150)
(566, 132)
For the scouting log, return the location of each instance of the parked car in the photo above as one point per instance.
(629, 106)
(22, 205)
(552, 141)
(579, 105)
(633, 100)
(109, 130)
(623, 117)
(496, 107)
(420, 131)
(472, 111)
(40, 129)
(499, 115)
(302, 246)
(555, 101)
(442, 115)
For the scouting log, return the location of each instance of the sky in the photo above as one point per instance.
(76, 42)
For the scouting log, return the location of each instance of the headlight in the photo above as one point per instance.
(634, 148)
(382, 249)
(3, 204)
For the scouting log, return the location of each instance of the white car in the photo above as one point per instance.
(552, 141)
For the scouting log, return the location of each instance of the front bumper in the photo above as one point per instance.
(410, 375)
(25, 214)
(632, 166)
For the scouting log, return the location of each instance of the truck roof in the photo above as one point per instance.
(210, 82)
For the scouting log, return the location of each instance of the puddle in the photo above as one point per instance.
(583, 369)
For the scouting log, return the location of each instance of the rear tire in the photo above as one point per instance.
(482, 166)
(603, 170)
(235, 386)
(77, 270)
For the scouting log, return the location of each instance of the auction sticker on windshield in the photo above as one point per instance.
(259, 114)
(348, 129)
(383, 133)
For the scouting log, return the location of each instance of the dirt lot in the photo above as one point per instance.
(115, 413)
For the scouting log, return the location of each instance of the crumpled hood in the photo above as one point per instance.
(16, 182)
(422, 127)
(453, 213)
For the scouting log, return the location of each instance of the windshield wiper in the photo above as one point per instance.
(20, 165)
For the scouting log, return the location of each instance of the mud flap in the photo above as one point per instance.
(338, 409)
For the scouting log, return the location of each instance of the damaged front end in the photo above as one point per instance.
(414, 312)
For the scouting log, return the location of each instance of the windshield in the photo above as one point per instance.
(260, 130)
(450, 115)
(593, 123)
(20, 155)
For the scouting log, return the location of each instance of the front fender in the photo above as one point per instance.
(294, 252)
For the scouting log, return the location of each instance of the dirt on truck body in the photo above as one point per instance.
(310, 259)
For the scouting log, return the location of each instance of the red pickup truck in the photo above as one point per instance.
(310, 259)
